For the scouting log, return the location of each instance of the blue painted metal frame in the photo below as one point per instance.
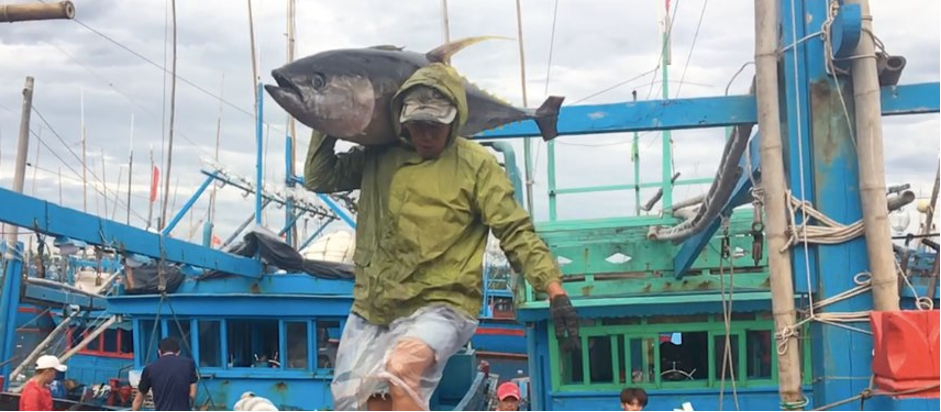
(48, 218)
(290, 220)
(237, 305)
(345, 217)
(276, 284)
(918, 98)
(9, 304)
(289, 208)
(649, 306)
(705, 112)
(189, 204)
(47, 294)
(641, 116)
(797, 121)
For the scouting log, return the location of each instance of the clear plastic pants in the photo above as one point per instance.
(372, 357)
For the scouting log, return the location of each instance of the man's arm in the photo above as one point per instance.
(326, 171)
(138, 401)
(142, 388)
(194, 378)
(526, 252)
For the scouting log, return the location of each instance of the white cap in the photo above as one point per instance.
(50, 362)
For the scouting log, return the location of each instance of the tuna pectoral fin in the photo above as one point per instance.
(547, 116)
(443, 53)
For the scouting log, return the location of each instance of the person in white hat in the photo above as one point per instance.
(36, 395)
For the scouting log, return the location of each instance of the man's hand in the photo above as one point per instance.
(564, 317)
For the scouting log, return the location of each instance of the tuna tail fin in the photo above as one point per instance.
(547, 116)
(443, 53)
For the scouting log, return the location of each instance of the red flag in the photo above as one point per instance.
(154, 183)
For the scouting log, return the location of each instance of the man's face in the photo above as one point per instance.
(633, 405)
(47, 375)
(509, 404)
(428, 138)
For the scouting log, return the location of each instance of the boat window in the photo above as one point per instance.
(95, 344)
(181, 331)
(297, 344)
(665, 355)
(127, 341)
(684, 356)
(210, 343)
(76, 336)
(758, 353)
(622, 363)
(642, 365)
(110, 340)
(328, 339)
(571, 368)
(731, 366)
(150, 338)
(600, 359)
(253, 343)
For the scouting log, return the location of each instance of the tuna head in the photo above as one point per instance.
(326, 92)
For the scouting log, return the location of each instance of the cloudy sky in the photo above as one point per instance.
(104, 54)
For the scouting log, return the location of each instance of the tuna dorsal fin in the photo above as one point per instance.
(387, 47)
(443, 53)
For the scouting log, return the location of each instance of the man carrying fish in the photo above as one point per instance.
(427, 203)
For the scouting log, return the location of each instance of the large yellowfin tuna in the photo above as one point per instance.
(347, 93)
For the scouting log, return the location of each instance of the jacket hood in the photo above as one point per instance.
(447, 81)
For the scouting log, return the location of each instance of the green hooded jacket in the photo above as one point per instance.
(422, 225)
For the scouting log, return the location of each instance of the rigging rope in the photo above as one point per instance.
(727, 363)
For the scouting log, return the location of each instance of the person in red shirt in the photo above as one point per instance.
(36, 395)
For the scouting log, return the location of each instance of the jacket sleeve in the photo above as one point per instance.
(526, 252)
(326, 171)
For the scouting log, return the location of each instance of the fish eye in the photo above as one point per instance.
(317, 81)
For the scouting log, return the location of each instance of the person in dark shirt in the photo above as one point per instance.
(172, 378)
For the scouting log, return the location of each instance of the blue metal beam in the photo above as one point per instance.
(291, 220)
(649, 306)
(916, 98)
(189, 203)
(12, 270)
(49, 218)
(639, 116)
(272, 284)
(692, 247)
(697, 113)
(235, 305)
(345, 217)
(61, 297)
